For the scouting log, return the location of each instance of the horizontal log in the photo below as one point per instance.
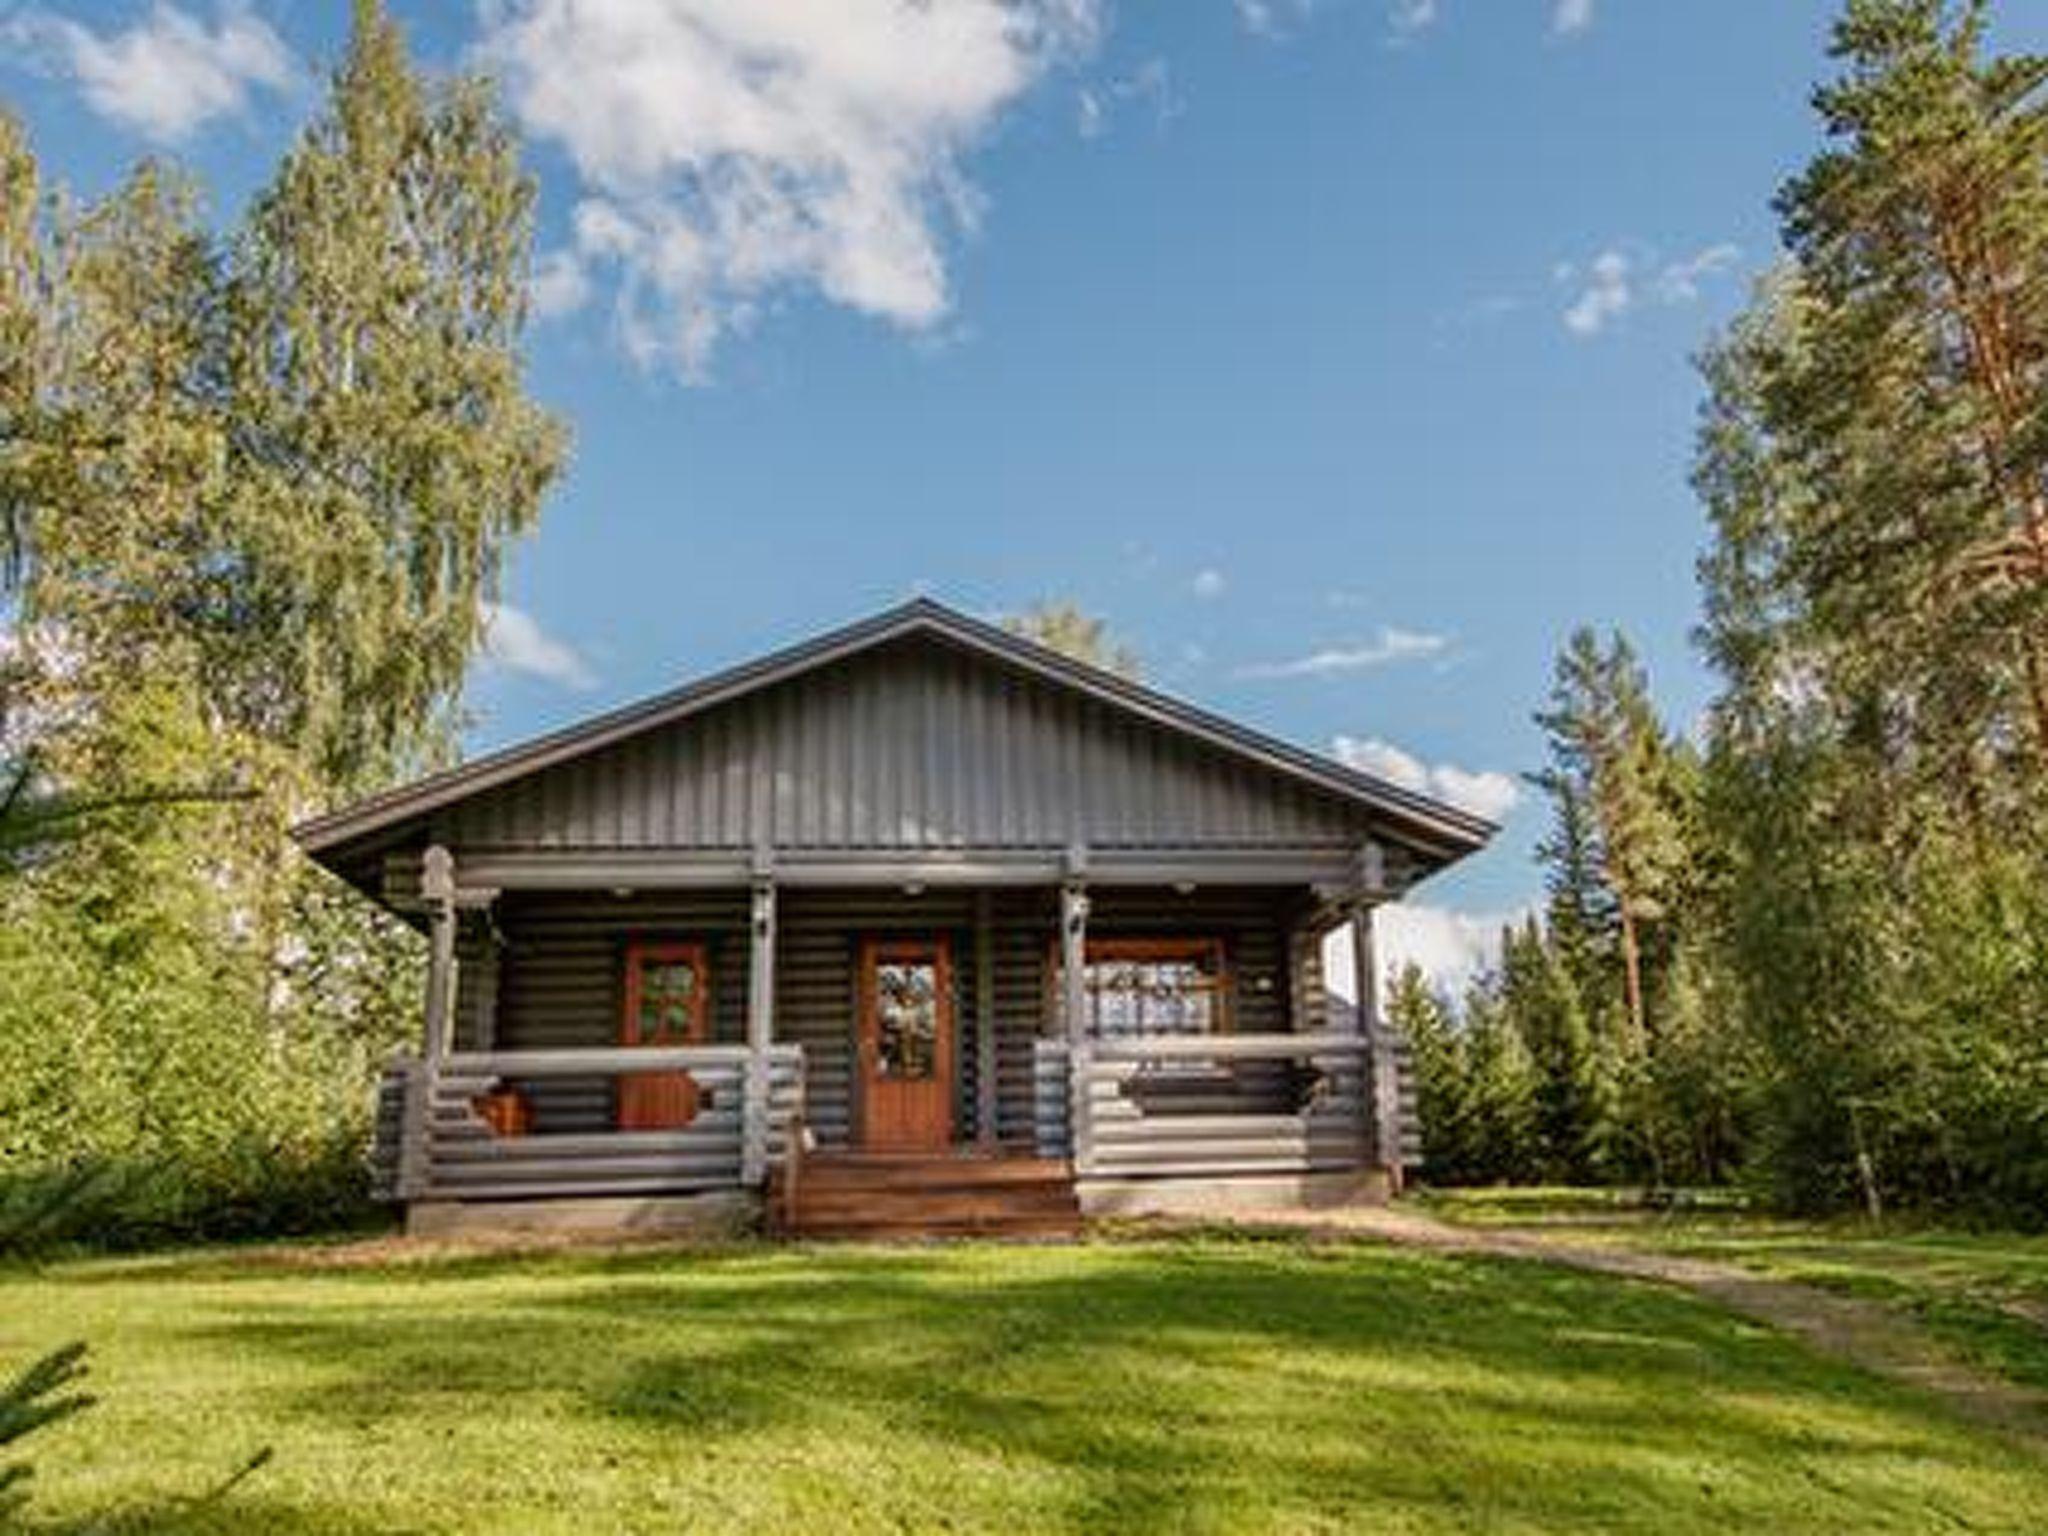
(718, 1137)
(1181, 1166)
(483, 1178)
(1287, 1143)
(531, 1189)
(1230, 1048)
(1198, 1128)
(588, 1061)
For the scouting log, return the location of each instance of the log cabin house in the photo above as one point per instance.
(914, 927)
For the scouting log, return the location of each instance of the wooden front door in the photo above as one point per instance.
(906, 1045)
(665, 986)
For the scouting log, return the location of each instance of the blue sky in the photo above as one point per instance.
(1336, 351)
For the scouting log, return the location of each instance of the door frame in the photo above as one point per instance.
(873, 951)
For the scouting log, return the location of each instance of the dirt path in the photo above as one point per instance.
(1861, 1332)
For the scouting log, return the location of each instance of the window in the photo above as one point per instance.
(907, 1007)
(1140, 987)
(665, 995)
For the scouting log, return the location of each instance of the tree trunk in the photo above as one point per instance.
(1866, 1169)
(2037, 686)
(1632, 972)
(1979, 284)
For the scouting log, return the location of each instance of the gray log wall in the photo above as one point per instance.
(551, 978)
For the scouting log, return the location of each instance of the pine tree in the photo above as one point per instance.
(1443, 1093)
(1872, 458)
(1501, 1126)
(1541, 1000)
(1611, 774)
(1913, 408)
(1579, 909)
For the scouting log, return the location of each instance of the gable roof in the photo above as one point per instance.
(1444, 829)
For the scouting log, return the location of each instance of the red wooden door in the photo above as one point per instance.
(906, 1045)
(665, 986)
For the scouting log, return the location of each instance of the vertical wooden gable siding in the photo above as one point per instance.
(913, 747)
(558, 976)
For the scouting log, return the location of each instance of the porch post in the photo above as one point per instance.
(415, 1145)
(1365, 983)
(1382, 1085)
(1074, 1006)
(760, 1024)
(984, 1022)
(437, 886)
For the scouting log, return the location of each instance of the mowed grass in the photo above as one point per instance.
(1204, 1385)
(1983, 1294)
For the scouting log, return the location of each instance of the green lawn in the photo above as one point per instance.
(1202, 1385)
(1984, 1294)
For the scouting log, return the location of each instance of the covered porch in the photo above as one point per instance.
(817, 1037)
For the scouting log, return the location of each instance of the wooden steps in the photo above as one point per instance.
(872, 1195)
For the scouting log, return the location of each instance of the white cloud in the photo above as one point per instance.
(1410, 18)
(1608, 293)
(1149, 86)
(515, 641)
(1091, 112)
(1679, 282)
(165, 76)
(1208, 584)
(1272, 19)
(1489, 793)
(1617, 281)
(1570, 16)
(1452, 948)
(560, 286)
(1391, 646)
(734, 152)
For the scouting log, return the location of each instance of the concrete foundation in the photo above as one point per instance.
(1235, 1195)
(725, 1213)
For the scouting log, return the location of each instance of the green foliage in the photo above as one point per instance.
(254, 490)
(1618, 852)
(1572, 1115)
(1816, 956)
(390, 452)
(1063, 627)
(21, 323)
(1596, 1053)
(1909, 407)
(1443, 1089)
(42, 1395)
(1874, 829)
(146, 1030)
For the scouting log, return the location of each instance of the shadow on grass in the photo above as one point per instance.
(1144, 1386)
(253, 1515)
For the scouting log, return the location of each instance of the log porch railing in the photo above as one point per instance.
(1205, 1105)
(436, 1144)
